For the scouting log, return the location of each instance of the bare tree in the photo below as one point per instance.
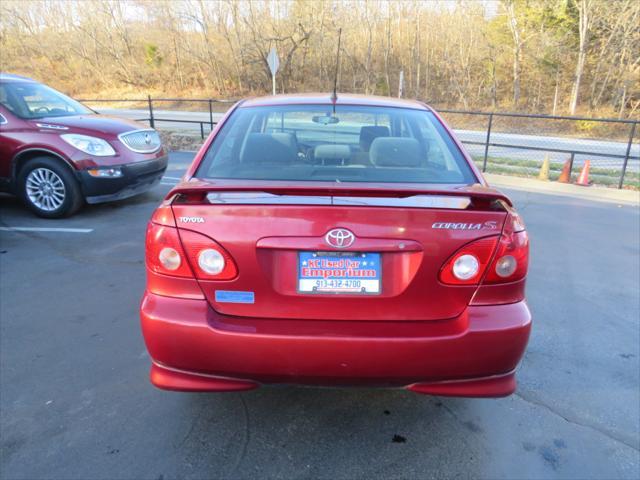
(585, 10)
(534, 54)
(517, 49)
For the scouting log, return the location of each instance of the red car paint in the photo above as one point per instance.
(22, 139)
(26, 135)
(426, 330)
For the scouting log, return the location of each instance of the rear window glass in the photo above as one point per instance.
(345, 144)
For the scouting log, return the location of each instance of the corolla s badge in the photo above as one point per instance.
(339, 238)
(489, 225)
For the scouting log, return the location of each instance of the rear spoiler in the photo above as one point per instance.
(197, 190)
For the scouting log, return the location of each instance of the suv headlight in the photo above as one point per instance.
(91, 145)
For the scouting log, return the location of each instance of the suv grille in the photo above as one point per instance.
(141, 141)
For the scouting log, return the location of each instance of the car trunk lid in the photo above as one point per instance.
(410, 232)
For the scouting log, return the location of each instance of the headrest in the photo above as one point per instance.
(369, 133)
(395, 152)
(332, 152)
(278, 147)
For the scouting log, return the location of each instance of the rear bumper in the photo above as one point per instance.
(136, 178)
(195, 349)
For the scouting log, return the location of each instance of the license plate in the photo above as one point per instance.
(339, 272)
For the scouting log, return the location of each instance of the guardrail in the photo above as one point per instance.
(153, 119)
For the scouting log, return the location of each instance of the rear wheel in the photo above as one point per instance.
(48, 188)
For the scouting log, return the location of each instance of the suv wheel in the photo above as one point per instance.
(49, 188)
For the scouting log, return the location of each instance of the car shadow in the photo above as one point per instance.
(14, 209)
(326, 433)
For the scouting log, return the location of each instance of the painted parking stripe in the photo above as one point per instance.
(168, 183)
(46, 229)
(171, 178)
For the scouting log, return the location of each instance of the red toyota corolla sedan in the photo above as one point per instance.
(335, 241)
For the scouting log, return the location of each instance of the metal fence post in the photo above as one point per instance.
(151, 121)
(626, 155)
(210, 114)
(202, 130)
(486, 145)
(573, 156)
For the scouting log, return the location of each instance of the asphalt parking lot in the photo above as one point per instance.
(76, 402)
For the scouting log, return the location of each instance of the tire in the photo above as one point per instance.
(47, 186)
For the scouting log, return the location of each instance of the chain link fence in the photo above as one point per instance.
(518, 144)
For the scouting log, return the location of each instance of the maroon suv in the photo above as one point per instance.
(55, 153)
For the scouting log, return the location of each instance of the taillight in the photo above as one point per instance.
(179, 253)
(476, 260)
(468, 264)
(164, 253)
(209, 260)
(511, 260)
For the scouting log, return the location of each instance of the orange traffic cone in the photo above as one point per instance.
(565, 176)
(583, 179)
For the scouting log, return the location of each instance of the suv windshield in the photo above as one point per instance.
(348, 144)
(33, 100)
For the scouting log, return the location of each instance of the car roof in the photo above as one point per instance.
(11, 77)
(327, 99)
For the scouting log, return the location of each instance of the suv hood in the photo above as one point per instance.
(89, 124)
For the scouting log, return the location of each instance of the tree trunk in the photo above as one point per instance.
(427, 72)
(517, 51)
(367, 69)
(623, 102)
(386, 53)
(417, 54)
(494, 81)
(556, 91)
(584, 10)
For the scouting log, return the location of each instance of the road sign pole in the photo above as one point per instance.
(274, 62)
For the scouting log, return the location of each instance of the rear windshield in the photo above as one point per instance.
(345, 144)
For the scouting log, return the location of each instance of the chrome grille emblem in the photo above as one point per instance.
(339, 238)
(141, 141)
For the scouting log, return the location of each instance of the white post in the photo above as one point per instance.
(274, 62)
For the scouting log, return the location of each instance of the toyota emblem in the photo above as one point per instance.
(147, 138)
(339, 238)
